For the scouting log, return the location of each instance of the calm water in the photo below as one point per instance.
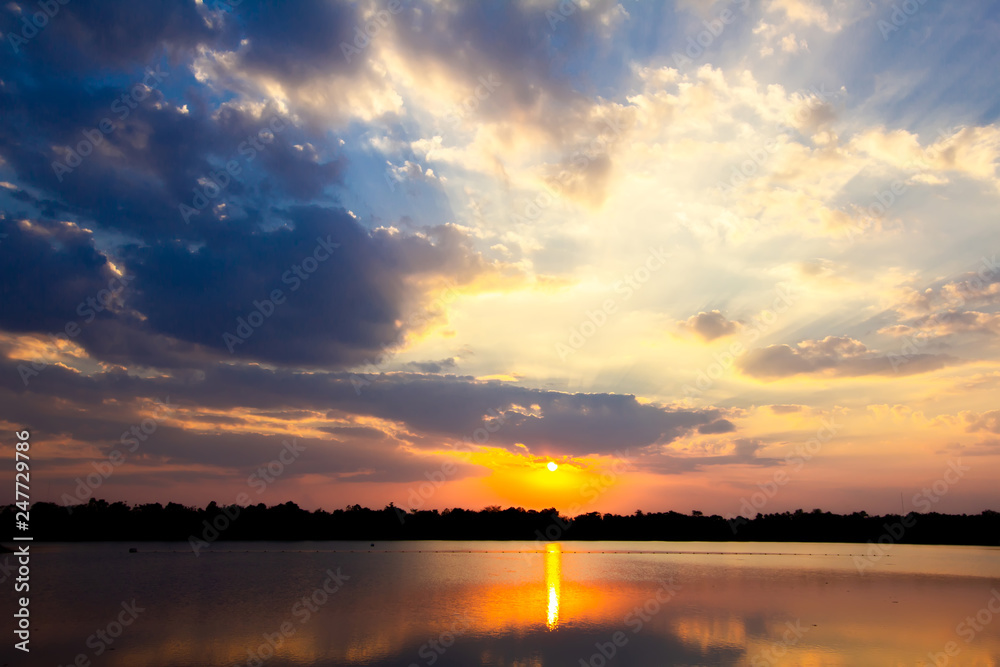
(434, 603)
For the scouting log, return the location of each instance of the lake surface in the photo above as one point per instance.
(511, 603)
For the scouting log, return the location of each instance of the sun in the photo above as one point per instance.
(553, 466)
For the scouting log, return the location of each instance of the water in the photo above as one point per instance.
(435, 603)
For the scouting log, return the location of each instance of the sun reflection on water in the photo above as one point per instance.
(553, 579)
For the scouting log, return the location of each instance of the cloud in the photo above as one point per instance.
(381, 432)
(77, 41)
(839, 356)
(985, 421)
(939, 310)
(479, 147)
(980, 287)
(345, 310)
(957, 322)
(156, 157)
(297, 44)
(183, 305)
(48, 271)
(711, 325)
(738, 452)
(970, 151)
(571, 424)
(721, 426)
(439, 366)
(790, 45)
(989, 447)
(829, 15)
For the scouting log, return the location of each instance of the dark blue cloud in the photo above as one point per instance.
(85, 35)
(48, 269)
(317, 291)
(297, 42)
(340, 313)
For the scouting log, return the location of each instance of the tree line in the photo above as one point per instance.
(99, 520)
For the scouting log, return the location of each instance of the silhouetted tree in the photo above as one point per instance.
(99, 520)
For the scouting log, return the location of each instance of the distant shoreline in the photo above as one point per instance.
(378, 543)
(100, 521)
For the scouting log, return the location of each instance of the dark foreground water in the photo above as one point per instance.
(486, 603)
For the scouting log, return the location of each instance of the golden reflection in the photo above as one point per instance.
(553, 580)
(835, 619)
(707, 631)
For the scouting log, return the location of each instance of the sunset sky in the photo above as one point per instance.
(413, 251)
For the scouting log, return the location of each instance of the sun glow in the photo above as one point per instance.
(553, 466)
(524, 480)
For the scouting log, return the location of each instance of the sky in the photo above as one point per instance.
(731, 256)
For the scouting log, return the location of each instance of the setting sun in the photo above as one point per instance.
(553, 466)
